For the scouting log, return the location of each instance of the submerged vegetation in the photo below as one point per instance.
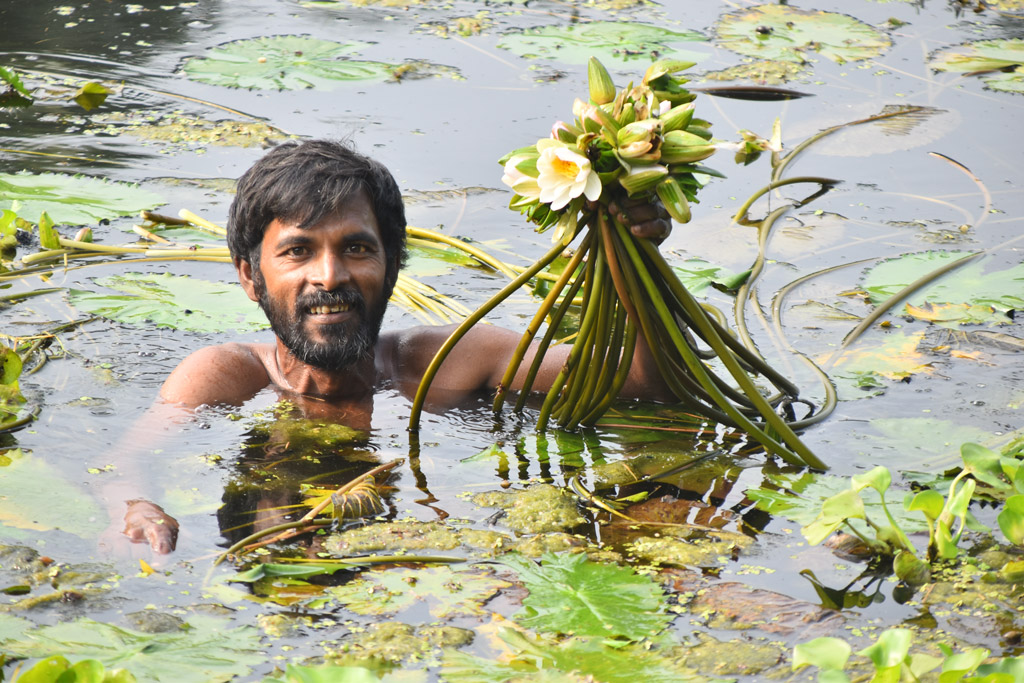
(651, 543)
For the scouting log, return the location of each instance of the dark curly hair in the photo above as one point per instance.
(303, 183)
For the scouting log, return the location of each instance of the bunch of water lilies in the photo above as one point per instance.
(641, 143)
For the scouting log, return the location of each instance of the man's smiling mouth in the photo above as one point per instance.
(324, 310)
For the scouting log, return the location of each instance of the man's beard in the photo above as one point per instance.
(344, 346)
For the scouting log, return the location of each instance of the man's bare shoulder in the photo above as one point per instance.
(225, 374)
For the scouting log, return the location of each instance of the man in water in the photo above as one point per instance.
(317, 235)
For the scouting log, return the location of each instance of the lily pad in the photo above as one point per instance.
(571, 594)
(613, 43)
(204, 652)
(38, 497)
(175, 301)
(286, 63)
(447, 592)
(795, 35)
(73, 200)
(999, 56)
(971, 284)
(767, 72)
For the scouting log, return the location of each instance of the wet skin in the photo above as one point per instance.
(345, 251)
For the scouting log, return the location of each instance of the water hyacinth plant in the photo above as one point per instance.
(641, 143)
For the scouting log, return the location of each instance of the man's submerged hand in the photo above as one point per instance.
(146, 522)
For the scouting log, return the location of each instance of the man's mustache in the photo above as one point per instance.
(345, 296)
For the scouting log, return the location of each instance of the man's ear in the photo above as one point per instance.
(244, 269)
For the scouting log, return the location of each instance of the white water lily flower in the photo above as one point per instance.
(564, 175)
(520, 182)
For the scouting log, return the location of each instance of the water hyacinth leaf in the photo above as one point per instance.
(202, 652)
(58, 669)
(890, 650)
(175, 301)
(929, 502)
(447, 592)
(768, 32)
(877, 478)
(573, 659)
(1011, 519)
(73, 200)
(613, 43)
(824, 653)
(571, 594)
(286, 63)
(39, 497)
(971, 284)
(911, 569)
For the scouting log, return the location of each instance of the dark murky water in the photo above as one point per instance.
(441, 136)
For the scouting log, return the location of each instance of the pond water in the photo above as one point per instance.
(911, 391)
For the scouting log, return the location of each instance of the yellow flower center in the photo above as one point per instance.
(567, 169)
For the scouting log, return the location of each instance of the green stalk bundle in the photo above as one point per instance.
(640, 142)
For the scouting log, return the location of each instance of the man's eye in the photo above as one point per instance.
(358, 249)
(297, 251)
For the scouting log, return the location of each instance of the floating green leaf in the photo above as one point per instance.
(204, 652)
(91, 95)
(176, 301)
(75, 200)
(286, 63)
(796, 35)
(971, 284)
(1003, 59)
(58, 669)
(11, 78)
(39, 497)
(697, 274)
(611, 42)
(571, 594)
(447, 592)
(574, 659)
(290, 571)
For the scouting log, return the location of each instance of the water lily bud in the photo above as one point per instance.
(627, 115)
(671, 195)
(565, 132)
(642, 178)
(602, 90)
(677, 117)
(637, 131)
(84, 235)
(685, 154)
(635, 149)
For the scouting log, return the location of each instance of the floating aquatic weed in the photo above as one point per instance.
(786, 33)
(570, 594)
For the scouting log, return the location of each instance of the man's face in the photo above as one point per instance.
(322, 288)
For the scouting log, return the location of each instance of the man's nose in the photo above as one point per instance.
(329, 271)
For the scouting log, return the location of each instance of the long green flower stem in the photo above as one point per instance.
(742, 211)
(554, 325)
(460, 331)
(531, 330)
(799, 454)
